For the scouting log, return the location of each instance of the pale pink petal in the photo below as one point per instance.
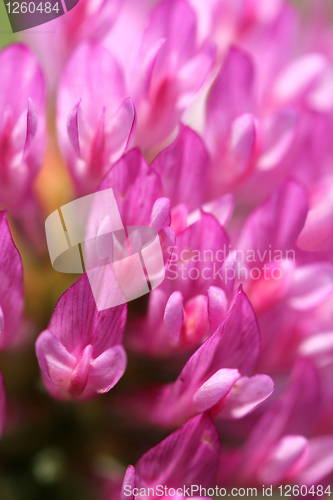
(107, 369)
(174, 316)
(277, 136)
(217, 306)
(312, 284)
(193, 74)
(297, 78)
(318, 462)
(161, 216)
(215, 389)
(54, 360)
(246, 395)
(288, 451)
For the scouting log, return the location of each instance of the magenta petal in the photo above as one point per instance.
(79, 376)
(54, 360)
(217, 306)
(175, 22)
(278, 134)
(134, 184)
(11, 286)
(174, 316)
(277, 221)
(32, 122)
(318, 463)
(182, 167)
(288, 451)
(76, 321)
(312, 284)
(296, 78)
(222, 208)
(128, 484)
(107, 369)
(247, 394)
(242, 144)
(239, 343)
(72, 128)
(120, 129)
(231, 96)
(215, 389)
(160, 216)
(193, 75)
(188, 456)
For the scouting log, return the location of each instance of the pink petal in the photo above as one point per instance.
(312, 285)
(246, 395)
(182, 167)
(277, 221)
(160, 216)
(231, 95)
(129, 481)
(32, 123)
(175, 22)
(242, 144)
(318, 463)
(278, 134)
(54, 360)
(222, 208)
(107, 369)
(120, 129)
(76, 322)
(72, 128)
(283, 458)
(11, 286)
(296, 78)
(174, 316)
(239, 342)
(188, 456)
(79, 376)
(319, 347)
(134, 184)
(192, 76)
(217, 306)
(215, 389)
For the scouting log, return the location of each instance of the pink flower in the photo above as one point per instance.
(247, 142)
(22, 133)
(80, 354)
(88, 21)
(169, 70)
(217, 375)
(278, 450)
(11, 288)
(95, 116)
(177, 316)
(282, 282)
(187, 457)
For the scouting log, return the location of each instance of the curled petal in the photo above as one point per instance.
(174, 316)
(215, 389)
(246, 395)
(107, 369)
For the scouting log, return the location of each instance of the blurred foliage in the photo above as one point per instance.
(6, 35)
